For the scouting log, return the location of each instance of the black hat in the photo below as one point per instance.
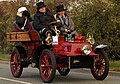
(60, 8)
(40, 5)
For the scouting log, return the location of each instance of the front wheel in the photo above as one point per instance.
(15, 63)
(101, 65)
(47, 66)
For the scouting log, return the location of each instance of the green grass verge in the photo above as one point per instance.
(115, 65)
(4, 57)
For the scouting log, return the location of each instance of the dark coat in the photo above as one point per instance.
(42, 20)
(21, 20)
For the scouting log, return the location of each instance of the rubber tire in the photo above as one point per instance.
(105, 73)
(21, 68)
(65, 73)
(50, 79)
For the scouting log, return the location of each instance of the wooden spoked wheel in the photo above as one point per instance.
(15, 64)
(101, 65)
(47, 66)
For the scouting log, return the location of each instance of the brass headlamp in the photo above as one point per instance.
(49, 37)
(90, 38)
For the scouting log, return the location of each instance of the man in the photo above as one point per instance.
(67, 22)
(22, 18)
(42, 19)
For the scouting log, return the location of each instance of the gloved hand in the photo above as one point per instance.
(26, 13)
(41, 31)
(22, 28)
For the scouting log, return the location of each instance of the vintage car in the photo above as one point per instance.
(64, 53)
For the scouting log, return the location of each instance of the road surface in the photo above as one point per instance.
(76, 76)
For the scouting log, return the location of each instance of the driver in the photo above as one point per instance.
(42, 19)
(67, 22)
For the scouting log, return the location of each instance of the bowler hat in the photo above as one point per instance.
(60, 8)
(40, 5)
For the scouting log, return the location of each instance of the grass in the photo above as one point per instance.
(114, 65)
(4, 57)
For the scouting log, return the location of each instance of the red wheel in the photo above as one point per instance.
(47, 66)
(63, 71)
(15, 64)
(101, 69)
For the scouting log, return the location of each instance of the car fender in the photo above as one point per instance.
(101, 46)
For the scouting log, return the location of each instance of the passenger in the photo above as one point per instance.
(67, 22)
(22, 18)
(42, 19)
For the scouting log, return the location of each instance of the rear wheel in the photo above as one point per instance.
(15, 64)
(47, 66)
(101, 65)
(63, 71)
